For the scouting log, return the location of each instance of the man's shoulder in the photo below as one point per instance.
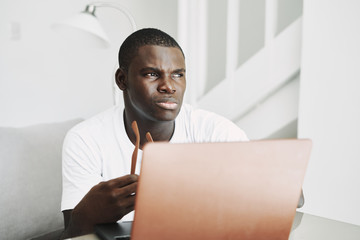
(98, 122)
(208, 125)
(192, 113)
(189, 110)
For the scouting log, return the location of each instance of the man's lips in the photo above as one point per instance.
(168, 105)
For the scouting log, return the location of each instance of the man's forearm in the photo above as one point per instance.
(77, 225)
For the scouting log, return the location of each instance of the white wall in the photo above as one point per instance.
(45, 76)
(329, 111)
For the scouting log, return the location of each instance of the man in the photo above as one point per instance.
(97, 187)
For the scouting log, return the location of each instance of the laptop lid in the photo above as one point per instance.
(239, 190)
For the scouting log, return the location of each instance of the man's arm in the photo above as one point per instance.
(106, 202)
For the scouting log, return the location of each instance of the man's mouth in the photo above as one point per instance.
(167, 105)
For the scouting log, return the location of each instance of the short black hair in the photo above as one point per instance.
(142, 37)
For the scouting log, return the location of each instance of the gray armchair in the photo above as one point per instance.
(30, 167)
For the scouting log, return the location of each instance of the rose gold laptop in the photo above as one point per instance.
(240, 190)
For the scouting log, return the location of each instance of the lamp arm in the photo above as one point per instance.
(91, 7)
(115, 6)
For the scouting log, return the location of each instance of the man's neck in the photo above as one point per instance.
(160, 131)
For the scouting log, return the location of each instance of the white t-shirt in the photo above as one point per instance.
(99, 149)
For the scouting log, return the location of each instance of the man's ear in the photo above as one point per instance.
(120, 78)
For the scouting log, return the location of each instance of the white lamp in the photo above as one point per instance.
(89, 29)
(88, 23)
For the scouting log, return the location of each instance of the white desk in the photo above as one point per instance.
(310, 227)
(306, 227)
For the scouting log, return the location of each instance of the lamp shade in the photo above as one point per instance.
(89, 25)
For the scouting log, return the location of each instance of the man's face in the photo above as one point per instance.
(155, 83)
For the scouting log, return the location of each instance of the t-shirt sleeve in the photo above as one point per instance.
(81, 168)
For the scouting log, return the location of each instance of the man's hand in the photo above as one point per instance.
(106, 202)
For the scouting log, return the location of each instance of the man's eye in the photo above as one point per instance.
(177, 75)
(152, 74)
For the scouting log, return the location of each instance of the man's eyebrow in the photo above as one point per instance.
(155, 69)
(180, 70)
(150, 69)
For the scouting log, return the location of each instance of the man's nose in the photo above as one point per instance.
(166, 85)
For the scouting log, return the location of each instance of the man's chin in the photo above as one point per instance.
(167, 118)
(167, 115)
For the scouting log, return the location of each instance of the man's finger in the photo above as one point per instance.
(125, 191)
(130, 209)
(127, 204)
(123, 181)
